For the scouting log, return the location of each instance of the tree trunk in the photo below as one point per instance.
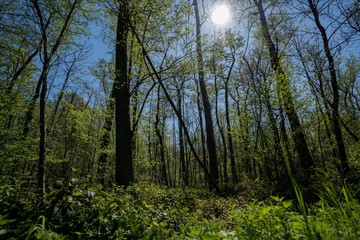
(184, 170)
(164, 178)
(210, 138)
(203, 140)
(42, 144)
(301, 146)
(335, 118)
(222, 135)
(212, 182)
(124, 174)
(229, 134)
(42, 120)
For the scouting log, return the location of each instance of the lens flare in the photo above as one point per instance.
(220, 15)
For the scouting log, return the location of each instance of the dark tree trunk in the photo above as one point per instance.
(210, 138)
(335, 118)
(203, 140)
(184, 169)
(42, 144)
(124, 174)
(229, 134)
(42, 121)
(164, 178)
(222, 135)
(301, 146)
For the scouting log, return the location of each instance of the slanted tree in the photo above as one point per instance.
(306, 160)
(335, 116)
(210, 137)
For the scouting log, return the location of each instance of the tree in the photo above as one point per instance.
(124, 173)
(301, 146)
(164, 175)
(222, 135)
(335, 118)
(179, 85)
(210, 138)
(212, 182)
(47, 58)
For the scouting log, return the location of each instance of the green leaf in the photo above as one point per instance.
(209, 237)
(287, 203)
(266, 210)
(275, 198)
(4, 221)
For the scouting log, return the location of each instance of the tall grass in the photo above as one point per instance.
(335, 216)
(310, 226)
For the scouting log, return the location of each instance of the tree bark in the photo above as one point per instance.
(222, 135)
(164, 178)
(210, 138)
(184, 169)
(42, 144)
(124, 174)
(42, 121)
(198, 103)
(335, 118)
(301, 146)
(229, 132)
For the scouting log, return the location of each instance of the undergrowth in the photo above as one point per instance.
(72, 210)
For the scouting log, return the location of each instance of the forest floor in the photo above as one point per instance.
(72, 210)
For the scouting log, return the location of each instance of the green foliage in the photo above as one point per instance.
(72, 210)
(138, 212)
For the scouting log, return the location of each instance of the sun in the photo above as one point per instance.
(220, 15)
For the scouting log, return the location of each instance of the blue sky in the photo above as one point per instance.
(99, 48)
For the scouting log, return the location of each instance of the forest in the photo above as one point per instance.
(179, 119)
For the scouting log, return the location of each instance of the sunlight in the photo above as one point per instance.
(220, 15)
